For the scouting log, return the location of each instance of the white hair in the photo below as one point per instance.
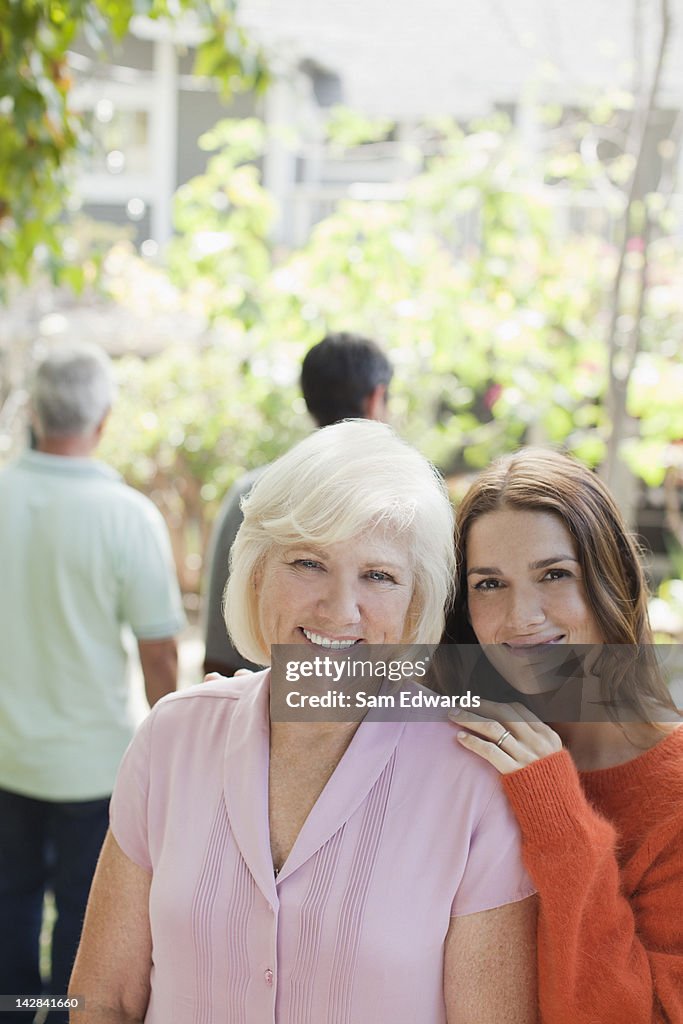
(73, 389)
(337, 484)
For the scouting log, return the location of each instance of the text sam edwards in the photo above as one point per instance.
(362, 699)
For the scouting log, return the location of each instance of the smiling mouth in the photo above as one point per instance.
(521, 650)
(328, 642)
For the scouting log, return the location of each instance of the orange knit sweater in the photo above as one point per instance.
(605, 850)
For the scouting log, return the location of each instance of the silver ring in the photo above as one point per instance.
(502, 739)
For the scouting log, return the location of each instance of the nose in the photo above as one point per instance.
(525, 610)
(340, 603)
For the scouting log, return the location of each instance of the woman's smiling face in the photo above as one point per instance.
(336, 596)
(525, 591)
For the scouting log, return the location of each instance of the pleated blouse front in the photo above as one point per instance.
(410, 830)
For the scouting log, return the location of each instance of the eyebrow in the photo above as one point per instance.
(485, 570)
(375, 561)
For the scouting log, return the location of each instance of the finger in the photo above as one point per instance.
(211, 677)
(488, 751)
(498, 712)
(511, 714)
(243, 672)
(506, 714)
(462, 716)
(489, 729)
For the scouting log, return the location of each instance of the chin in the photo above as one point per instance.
(536, 676)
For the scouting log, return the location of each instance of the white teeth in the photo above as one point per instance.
(324, 641)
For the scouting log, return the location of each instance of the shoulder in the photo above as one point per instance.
(229, 515)
(193, 699)
(658, 775)
(129, 497)
(121, 504)
(12, 467)
(431, 751)
(242, 486)
(191, 726)
(231, 505)
(431, 739)
(214, 700)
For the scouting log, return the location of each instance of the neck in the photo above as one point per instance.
(315, 733)
(74, 445)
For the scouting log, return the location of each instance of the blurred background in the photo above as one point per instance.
(492, 191)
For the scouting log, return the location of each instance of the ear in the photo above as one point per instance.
(375, 404)
(99, 429)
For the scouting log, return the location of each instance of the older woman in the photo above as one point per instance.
(544, 561)
(316, 872)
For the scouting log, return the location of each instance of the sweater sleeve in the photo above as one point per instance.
(604, 954)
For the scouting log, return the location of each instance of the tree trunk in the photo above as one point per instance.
(623, 346)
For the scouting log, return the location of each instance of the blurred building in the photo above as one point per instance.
(401, 61)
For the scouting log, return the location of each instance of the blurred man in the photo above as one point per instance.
(344, 376)
(81, 556)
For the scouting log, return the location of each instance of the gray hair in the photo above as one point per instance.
(335, 485)
(73, 389)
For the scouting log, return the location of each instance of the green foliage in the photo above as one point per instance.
(187, 423)
(39, 134)
(494, 321)
(656, 385)
(666, 610)
(495, 341)
(223, 219)
(210, 412)
(347, 127)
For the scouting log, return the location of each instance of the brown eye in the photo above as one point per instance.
(490, 584)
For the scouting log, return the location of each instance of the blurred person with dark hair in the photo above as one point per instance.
(82, 556)
(345, 376)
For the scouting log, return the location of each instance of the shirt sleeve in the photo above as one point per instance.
(494, 873)
(607, 952)
(150, 597)
(128, 809)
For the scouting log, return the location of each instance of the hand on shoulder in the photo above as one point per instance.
(508, 736)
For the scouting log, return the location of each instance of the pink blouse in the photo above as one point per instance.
(410, 830)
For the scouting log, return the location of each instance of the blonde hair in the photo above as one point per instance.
(342, 481)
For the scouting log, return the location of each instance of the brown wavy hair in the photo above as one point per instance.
(543, 480)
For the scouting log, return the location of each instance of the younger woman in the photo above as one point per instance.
(545, 560)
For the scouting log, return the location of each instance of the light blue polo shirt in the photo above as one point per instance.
(81, 555)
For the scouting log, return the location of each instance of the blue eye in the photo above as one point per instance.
(307, 563)
(380, 577)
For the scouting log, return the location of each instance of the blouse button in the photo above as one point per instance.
(268, 977)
